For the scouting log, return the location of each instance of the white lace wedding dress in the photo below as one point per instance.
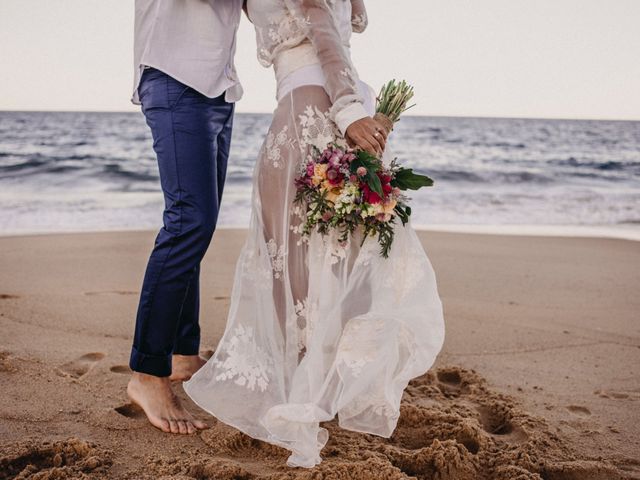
(316, 328)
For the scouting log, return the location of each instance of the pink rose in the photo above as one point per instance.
(310, 169)
(326, 216)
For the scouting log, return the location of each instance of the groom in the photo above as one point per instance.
(186, 83)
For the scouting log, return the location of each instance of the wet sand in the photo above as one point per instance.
(539, 377)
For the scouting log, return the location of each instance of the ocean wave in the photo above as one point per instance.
(29, 164)
(70, 168)
(115, 170)
(492, 177)
(605, 165)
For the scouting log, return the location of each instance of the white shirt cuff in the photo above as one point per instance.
(349, 114)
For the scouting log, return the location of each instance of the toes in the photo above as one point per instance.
(182, 427)
(190, 427)
(163, 424)
(174, 426)
(200, 425)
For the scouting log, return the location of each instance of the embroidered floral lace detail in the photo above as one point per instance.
(318, 130)
(298, 215)
(254, 269)
(333, 247)
(305, 327)
(273, 145)
(276, 253)
(258, 277)
(407, 271)
(372, 400)
(246, 362)
(347, 72)
(367, 252)
(360, 341)
(281, 31)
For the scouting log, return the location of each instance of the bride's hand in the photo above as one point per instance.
(367, 134)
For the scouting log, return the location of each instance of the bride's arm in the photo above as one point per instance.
(347, 109)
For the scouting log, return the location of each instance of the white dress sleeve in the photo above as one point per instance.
(320, 28)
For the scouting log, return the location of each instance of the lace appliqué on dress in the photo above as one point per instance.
(318, 130)
(274, 143)
(360, 341)
(246, 361)
(373, 400)
(407, 272)
(276, 253)
(349, 74)
(254, 269)
(304, 321)
(297, 222)
(282, 31)
(368, 251)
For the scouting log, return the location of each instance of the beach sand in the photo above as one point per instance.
(539, 377)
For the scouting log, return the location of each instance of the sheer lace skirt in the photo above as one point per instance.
(316, 328)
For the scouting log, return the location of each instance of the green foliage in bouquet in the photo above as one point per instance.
(405, 179)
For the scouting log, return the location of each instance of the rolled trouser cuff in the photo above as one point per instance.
(187, 346)
(156, 365)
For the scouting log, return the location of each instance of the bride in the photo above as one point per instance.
(316, 327)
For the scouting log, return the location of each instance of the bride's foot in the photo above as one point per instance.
(161, 405)
(184, 366)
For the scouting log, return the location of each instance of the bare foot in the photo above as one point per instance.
(184, 366)
(161, 405)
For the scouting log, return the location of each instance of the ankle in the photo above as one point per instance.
(186, 360)
(145, 378)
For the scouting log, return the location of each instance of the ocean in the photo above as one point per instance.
(67, 171)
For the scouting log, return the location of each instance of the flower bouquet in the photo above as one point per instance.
(346, 189)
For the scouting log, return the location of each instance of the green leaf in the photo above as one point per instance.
(366, 160)
(374, 183)
(403, 213)
(405, 179)
(372, 164)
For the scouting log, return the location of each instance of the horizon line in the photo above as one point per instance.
(496, 117)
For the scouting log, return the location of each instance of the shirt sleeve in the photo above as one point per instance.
(359, 19)
(320, 27)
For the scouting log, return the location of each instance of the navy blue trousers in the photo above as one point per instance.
(191, 138)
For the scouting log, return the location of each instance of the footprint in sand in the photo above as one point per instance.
(120, 369)
(81, 365)
(495, 419)
(130, 410)
(579, 410)
(449, 381)
(616, 395)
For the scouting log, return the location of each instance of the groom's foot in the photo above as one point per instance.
(184, 366)
(161, 405)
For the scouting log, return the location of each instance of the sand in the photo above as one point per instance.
(539, 377)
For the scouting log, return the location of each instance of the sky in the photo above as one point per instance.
(492, 58)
